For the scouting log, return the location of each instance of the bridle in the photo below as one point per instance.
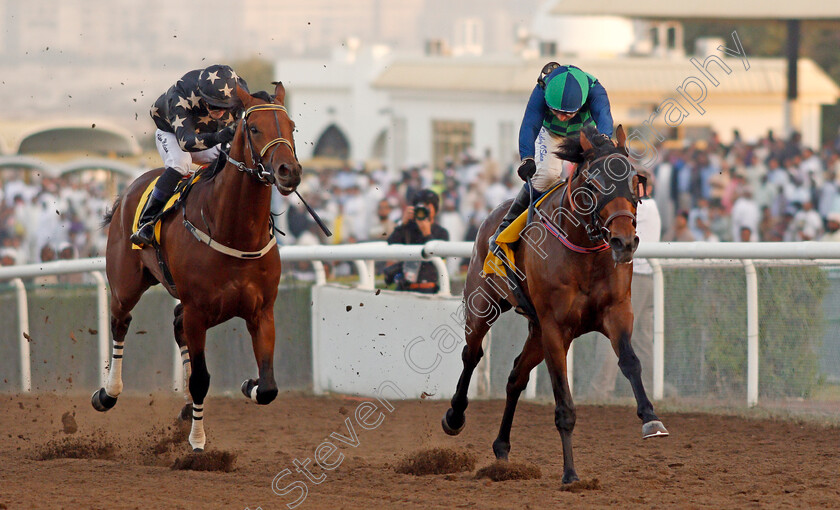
(608, 190)
(258, 171)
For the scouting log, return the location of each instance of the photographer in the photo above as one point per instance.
(418, 227)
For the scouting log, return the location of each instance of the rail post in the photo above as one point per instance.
(23, 336)
(752, 333)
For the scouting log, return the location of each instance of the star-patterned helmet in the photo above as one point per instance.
(216, 86)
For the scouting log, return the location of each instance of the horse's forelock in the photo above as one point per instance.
(263, 95)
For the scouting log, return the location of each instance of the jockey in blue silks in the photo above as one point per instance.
(565, 100)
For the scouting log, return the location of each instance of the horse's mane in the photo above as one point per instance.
(570, 149)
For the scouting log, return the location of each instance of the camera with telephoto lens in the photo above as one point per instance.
(421, 212)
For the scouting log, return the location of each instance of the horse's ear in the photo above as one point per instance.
(279, 91)
(244, 97)
(621, 136)
(585, 144)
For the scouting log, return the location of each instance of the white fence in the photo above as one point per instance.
(363, 255)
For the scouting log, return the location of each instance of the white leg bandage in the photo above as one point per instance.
(197, 437)
(114, 384)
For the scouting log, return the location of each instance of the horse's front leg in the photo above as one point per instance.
(618, 327)
(261, 326)
(195, 333)
(556, 346)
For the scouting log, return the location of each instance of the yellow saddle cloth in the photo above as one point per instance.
(187, 181)
(494, 264)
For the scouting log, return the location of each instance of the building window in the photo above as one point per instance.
(508, 142)
(332, 144)
(450, 138)
(548, 48)
(380, 146)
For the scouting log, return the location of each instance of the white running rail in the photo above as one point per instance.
(434, 251)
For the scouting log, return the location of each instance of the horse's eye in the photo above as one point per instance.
(254, 130)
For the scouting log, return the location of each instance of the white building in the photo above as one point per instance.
(337, 112)
(484, 99)
(423, 109)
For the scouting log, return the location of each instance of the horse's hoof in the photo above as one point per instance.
(186, 413)
(102, 401)
(266, 397)
(247, 388)
(452, 431)
(198, 450)
(501, 450)
(654, 428)
(570, 477)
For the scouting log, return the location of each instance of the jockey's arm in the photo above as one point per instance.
(532, 122)
(191, 141)
(184, 126)
(599, 108)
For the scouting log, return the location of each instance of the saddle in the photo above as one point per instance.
(509, 237)
(175, 201)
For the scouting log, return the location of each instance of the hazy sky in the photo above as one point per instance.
(89, 58)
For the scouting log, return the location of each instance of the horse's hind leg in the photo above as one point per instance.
(263, 390)
(618, 327)
(124, 296)
(529, 358)
(178, 323)
(480, 313)
(105, 398)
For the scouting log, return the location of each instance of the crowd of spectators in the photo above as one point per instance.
(770, 190)
(45, 218)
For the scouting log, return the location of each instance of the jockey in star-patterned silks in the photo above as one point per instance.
(565, 100)
(193, 118)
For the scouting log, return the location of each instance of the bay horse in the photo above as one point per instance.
(573, 289)
(220, 252)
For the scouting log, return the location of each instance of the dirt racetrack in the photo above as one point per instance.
(709, 461)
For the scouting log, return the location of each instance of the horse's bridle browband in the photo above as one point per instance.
(259, 171)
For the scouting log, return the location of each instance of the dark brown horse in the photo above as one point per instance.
(574, 289)
(233, 275)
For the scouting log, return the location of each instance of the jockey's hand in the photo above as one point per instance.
(425, 226)
(408, 215)
(226, 134)
(527, 169)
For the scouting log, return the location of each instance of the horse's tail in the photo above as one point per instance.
(109, 213)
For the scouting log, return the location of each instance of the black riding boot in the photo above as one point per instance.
(520, 203)
(164, 188)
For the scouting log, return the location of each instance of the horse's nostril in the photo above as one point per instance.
(616, 243)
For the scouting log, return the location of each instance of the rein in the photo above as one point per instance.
(258, 172)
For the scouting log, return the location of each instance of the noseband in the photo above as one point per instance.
(259, 171)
